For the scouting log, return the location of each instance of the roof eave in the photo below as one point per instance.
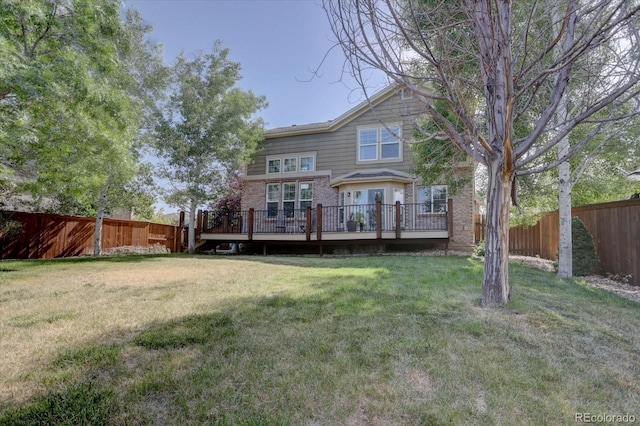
(333, 125)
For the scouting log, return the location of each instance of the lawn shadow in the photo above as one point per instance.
(157, 374)
(283, 358)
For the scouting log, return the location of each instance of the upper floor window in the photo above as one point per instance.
(291, 163)
(307, 163)
(273, 166)
(379, 143)
(432, 199)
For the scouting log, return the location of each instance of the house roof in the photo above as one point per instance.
(333, 125)
(376, 175)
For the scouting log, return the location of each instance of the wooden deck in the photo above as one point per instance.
(329, 225)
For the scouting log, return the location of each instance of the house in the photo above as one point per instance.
(355, 172)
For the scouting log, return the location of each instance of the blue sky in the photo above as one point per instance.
(277, 42)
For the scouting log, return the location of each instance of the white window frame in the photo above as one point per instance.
(422, 202)
(289, 198)
(312, 162)
(394, 130)
(303, 202)
(270, 199)
(284, 192)
(275, 161)
(290, 164)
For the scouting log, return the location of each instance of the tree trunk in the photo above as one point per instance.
(495, 287)
(192, 228)
(565, 256)
(97, 235)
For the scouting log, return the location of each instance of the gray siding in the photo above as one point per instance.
(336, 151)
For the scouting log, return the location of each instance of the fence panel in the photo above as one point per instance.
(46, 236)
(615, 228)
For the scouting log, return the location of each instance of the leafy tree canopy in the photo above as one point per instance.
(75, 82)
(206, 129)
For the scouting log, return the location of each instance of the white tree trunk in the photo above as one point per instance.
(565, 257)
(495, 288)
(192, 228)
(97, 235)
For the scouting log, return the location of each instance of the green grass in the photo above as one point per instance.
(307, 340)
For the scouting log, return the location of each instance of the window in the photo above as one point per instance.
(274, 166)
(433, 199)
(290, 164)
(293, 194)
(389, 143)
(307, 164)
(368, 144)
(378, 144)
(304, 162)
(273, 199)
(289, 199)
(306, 197)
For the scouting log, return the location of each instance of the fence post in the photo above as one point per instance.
(180, 232)
(308, 222)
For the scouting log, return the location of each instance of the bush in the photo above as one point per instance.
(585, 259)
(478, 249)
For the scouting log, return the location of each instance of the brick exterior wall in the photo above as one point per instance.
(254, 192)
(463, 207)
(462, 238)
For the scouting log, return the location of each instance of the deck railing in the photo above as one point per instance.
(376, 217)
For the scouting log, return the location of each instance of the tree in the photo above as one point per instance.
(206, 130)
(527, 66)
(78, 82)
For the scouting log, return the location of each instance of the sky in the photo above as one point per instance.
(278, 44)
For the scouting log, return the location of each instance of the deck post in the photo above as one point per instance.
(205, 220)
(225, 224)
(398, 221)
(319, 223)
(250, 224)
(307, 226)
(379, 219)
(450, 217)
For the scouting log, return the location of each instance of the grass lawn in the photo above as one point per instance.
(382, 340)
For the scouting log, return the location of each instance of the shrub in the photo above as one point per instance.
(478, 249)
(585, 259)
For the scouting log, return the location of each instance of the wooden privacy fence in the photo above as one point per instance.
(615, 228)
(46, 236)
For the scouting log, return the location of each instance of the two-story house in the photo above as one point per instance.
(354, 177)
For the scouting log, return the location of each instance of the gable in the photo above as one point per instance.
(334, 143)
